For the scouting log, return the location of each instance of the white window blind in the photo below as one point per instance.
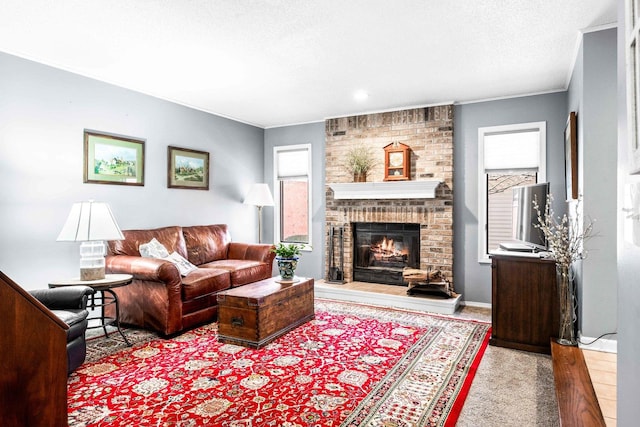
(293, 163)
(512, 151)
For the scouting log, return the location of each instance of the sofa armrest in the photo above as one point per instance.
(64, 298)
(143, 268)
(154, 297)
(252, 251)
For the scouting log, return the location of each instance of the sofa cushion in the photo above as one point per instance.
(204, 281)
(170, 237)
(206, 243)
(242, 271)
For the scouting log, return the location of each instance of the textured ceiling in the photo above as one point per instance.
(279, 62)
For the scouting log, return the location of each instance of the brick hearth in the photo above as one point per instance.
(429, 134)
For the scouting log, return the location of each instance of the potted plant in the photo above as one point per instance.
(359, 160)
(287, 256)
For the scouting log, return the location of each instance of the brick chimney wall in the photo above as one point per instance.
(429, 133)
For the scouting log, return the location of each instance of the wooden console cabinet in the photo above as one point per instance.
(524, 303)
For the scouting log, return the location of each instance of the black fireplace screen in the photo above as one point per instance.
(382, 250)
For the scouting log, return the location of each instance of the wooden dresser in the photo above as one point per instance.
(524, 302)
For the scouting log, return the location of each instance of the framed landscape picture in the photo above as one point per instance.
(188, 169)
(112, 159)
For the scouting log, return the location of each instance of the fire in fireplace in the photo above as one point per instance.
(387, 253)
(383, 250)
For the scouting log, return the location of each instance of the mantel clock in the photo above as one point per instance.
(397, 162)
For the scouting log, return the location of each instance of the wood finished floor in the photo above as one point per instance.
(602, 366)
(603, 370)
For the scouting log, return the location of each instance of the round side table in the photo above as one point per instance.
(107, 297)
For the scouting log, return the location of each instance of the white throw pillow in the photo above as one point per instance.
(183, 264)
(155, 249)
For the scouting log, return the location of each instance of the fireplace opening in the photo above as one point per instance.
(383, 250)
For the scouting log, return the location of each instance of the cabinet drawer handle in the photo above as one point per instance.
(237, 321)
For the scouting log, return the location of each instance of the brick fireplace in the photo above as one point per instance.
(424, 203)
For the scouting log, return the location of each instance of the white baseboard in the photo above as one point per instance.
(476, 304)
(605, 345)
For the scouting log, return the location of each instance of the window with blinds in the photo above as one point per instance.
(292, 166)
(509, 156)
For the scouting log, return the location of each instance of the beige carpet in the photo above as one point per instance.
(511, 387)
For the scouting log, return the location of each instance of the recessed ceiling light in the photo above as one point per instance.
(360, 96)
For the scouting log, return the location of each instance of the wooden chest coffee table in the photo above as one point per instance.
(254, 315)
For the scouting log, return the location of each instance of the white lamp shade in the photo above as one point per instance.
(259, 195)
(89, 221)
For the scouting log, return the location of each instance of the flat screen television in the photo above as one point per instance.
(525, 217)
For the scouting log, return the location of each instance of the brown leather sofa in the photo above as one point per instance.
(159, 298)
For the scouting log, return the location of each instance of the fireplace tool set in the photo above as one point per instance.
(336, 273)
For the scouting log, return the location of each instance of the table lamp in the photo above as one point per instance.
(259, 195)
(90, 223)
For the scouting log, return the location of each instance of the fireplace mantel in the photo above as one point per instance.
(425, 189)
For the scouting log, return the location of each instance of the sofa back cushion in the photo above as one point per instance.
(170, 237)
(206, 243)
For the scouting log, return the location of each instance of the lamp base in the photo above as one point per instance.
(92, 260)
(95, 273)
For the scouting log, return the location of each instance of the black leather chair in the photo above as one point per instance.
(69, 303)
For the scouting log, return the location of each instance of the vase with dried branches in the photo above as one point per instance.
(359, 160)
(565, 237)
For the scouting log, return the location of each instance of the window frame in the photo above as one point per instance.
(483, 255)
(277, 197)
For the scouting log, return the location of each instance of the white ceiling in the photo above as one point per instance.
(278, 62)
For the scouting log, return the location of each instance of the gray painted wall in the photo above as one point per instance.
(628, 381)
(592, 95)
(473, 279)
(311, 262)
(43, 112)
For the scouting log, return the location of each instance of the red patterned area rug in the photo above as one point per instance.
(354, 365)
